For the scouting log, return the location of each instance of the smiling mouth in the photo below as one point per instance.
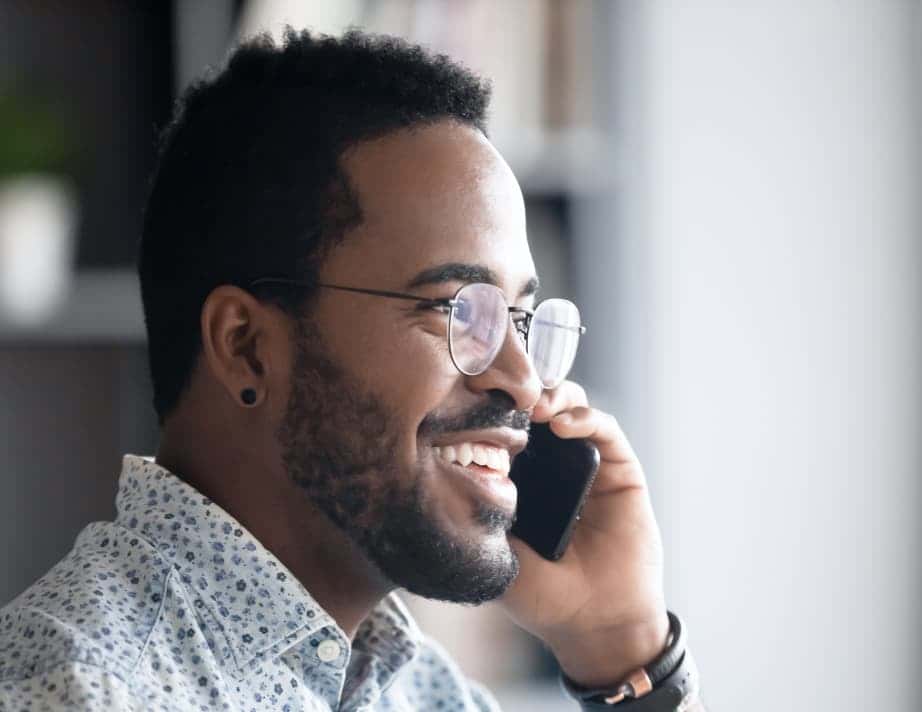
(464, 454)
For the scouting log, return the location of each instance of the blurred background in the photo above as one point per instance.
(732, 192)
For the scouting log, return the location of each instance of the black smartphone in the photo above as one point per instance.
(553, 476)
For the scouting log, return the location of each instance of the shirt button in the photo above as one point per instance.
(328, 650)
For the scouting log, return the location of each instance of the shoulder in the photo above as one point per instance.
(69, 685)
(95, 608)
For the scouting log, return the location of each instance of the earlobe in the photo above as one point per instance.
(232, 332)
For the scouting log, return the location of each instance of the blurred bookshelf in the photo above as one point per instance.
(101, 306)
(547, 60)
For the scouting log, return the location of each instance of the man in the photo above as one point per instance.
(327, 238)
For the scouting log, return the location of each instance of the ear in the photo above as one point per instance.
(241, 341)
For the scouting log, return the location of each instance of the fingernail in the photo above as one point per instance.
(564, 418)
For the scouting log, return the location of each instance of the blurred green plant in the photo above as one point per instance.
(35, 137)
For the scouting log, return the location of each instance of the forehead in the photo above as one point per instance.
(439, 194)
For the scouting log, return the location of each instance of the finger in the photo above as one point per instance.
(566, 396)
(600, 428)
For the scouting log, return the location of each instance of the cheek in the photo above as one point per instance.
(379, 347)
(403, 360)
(416, 376)
(408, 367)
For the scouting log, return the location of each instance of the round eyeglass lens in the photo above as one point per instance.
(552, 340)
(477, 327)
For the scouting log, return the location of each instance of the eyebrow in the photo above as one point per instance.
(464, 272)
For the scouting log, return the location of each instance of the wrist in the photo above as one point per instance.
(605, 657)
(667, 684)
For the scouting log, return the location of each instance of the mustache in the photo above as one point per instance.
(498, 412)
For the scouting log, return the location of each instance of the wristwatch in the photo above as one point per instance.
(668, 684)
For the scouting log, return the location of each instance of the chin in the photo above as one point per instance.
(431, 558)
(479, 570)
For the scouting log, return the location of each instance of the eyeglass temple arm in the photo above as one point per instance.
(578, 329)
(375, 292)
(411, 297)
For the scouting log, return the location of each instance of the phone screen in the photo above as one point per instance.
(553, 476)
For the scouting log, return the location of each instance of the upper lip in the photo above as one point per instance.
(512, 440)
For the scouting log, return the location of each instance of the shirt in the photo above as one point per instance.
(176, 606)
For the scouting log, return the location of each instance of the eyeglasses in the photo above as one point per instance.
(478, 321)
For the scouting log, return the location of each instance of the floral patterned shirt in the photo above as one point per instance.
(175, 606)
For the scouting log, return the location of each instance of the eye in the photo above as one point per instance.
(520, 321)
(436, 305)
(463, 310)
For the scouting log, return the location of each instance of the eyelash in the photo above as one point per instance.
(441, 308)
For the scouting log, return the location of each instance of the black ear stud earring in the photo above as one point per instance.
(248, 396)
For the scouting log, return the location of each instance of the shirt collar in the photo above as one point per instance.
(250, 596)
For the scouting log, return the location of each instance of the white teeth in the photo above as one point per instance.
(465, 454)
(480, 455)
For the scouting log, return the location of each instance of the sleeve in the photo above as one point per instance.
(68, 686)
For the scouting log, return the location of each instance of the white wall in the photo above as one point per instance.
(766, 351)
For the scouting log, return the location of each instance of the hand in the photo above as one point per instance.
(600, 608)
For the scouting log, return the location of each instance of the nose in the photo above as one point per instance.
(511, 372)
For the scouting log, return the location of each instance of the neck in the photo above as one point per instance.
(278, 513)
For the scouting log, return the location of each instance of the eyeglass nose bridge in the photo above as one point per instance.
(520, 328)
(519, 333)
(523, 325)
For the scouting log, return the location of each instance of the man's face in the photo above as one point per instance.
(375, 400)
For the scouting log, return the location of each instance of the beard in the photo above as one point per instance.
(340, 446)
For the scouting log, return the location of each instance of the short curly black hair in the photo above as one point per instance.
(249, 181)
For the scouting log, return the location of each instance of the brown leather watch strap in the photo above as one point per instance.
(637, 684)
(655, 685)
(677, 693)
